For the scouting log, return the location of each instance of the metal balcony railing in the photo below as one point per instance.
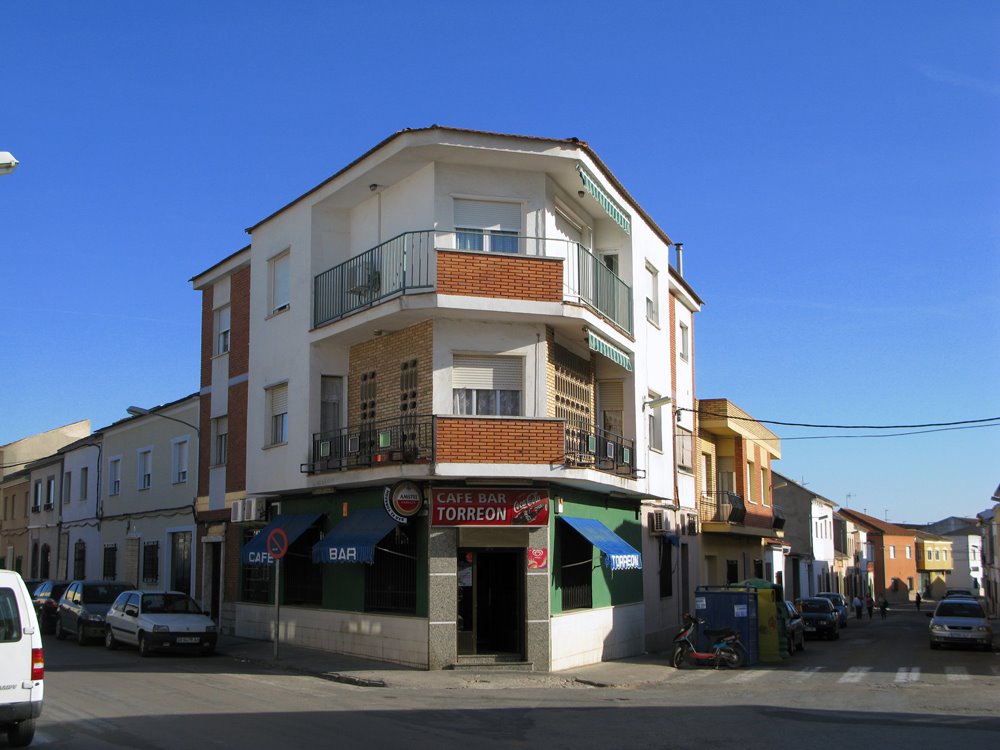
(406, 264)
(599, 449)
(413, 440)
(722, 506)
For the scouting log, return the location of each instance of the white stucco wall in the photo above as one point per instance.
(588, 637)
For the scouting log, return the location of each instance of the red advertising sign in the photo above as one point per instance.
(464, 506)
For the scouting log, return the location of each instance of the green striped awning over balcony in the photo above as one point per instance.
(614, 210)
(609, 350)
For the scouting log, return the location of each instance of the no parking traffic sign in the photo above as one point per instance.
(277, 543)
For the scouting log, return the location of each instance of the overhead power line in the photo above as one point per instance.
(844, 426)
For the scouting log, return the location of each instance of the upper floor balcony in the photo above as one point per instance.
(726, 512)
(430, 440)
(489, 264)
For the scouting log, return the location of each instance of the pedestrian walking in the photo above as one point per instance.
(858, 607)
(883, 606)
(870, 604)
(917, 600)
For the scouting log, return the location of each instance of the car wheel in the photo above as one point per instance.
(109, 640)
(21, 734)
(802, 643)
(144, 649)
(60, 633)
(790, 645)
(208, 651)
(935, 646)
(81, 637)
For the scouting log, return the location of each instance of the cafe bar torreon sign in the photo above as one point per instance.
(463, 506)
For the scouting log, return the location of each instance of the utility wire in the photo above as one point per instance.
(842, 426)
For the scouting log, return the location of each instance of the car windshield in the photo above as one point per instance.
(959, 609)
(813, 605)
(98, 594)
(835, 598)
(169, 603)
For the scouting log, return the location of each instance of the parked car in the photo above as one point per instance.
(22, 663)
(795, 628)
(962, 622)
(967, 593)
(82, 608)
(159, 620)
(46, 601)
(820, 618)
(839, 604)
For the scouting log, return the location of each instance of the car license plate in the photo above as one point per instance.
(188, 639)
(811, 628)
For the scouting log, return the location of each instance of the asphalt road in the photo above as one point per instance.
(879, 684)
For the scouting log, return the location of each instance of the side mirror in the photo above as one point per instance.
(132, 611)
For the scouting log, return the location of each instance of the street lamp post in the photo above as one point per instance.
(7, 162)
(138, 411)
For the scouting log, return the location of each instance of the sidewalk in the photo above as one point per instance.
(623, 673)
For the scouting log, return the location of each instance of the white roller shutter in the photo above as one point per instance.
(279, 400)
(471, 214)
(493, 373)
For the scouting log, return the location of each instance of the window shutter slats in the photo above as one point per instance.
(279, 400)
(471, 214)
(612, 394)
(503, 373)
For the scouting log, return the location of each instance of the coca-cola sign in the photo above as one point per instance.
(499, 506)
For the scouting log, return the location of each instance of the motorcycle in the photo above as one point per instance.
(725, 651)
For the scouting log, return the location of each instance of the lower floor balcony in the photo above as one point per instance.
(430, 439)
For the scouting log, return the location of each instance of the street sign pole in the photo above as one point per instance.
(277, 604)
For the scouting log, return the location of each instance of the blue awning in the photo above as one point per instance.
(354, 539)
(617, 554)
(255, 551)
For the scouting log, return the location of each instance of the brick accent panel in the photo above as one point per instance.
(236, 456)
(207, 324)
(204, 443)
(384, 355)
(239, 322)
(498, 275)
(498, 441)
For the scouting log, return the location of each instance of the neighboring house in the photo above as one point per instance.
(849, 562)
(965, 569)
(222, 502)
(149, 480)
(46, 553)
(80, 507)
(742, 529)
(934, 563)
(470, 374)
(15, 489)
(14, 460)
(989, 525)
(809, 566)
(891, 552)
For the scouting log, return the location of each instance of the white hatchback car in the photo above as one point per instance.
(155, 620)
(22, 665)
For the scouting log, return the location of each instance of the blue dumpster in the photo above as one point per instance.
(729, 607)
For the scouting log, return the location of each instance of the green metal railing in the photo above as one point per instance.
(406, 264)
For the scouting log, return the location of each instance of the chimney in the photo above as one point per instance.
(679, 247)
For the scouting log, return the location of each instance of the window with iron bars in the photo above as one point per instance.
(255, 580)
(80, 559)
(150, 562)
(576, 564)
(110, 567)
(391, 582)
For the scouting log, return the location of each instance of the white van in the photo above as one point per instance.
(22, 666)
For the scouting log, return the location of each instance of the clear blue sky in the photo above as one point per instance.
(833, 169)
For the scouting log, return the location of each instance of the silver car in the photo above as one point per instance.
(960, 621)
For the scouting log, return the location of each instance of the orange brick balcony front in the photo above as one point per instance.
(529, 268)
(470, 440)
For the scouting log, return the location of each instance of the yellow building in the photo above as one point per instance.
(934, 563)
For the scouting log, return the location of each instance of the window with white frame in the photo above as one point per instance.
(84, 481)
(764, 487)
(220, 440)
(653, 296)
(179, 460)
(36, 503)
(278, 273)
(684, 449)
(487, 226)
(144, 468)
(114, 476)
(487, 385)
(751, 471)
(277, 400)
(892, 551)
(50, 492)
(221, 325)
(908, 552)
(684, 345)
(655, 424)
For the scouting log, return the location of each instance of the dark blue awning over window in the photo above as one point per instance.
(255, 551)
(354, 539)
(617, 553)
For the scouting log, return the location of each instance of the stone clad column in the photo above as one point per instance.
(442, 598)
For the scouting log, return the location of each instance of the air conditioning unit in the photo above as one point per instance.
(236, 512)
(254, 509)
(657, 524)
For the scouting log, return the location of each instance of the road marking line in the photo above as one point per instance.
(745, 677)
(855, 674)
(957, 673)
(805, 673)
(907, 674)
